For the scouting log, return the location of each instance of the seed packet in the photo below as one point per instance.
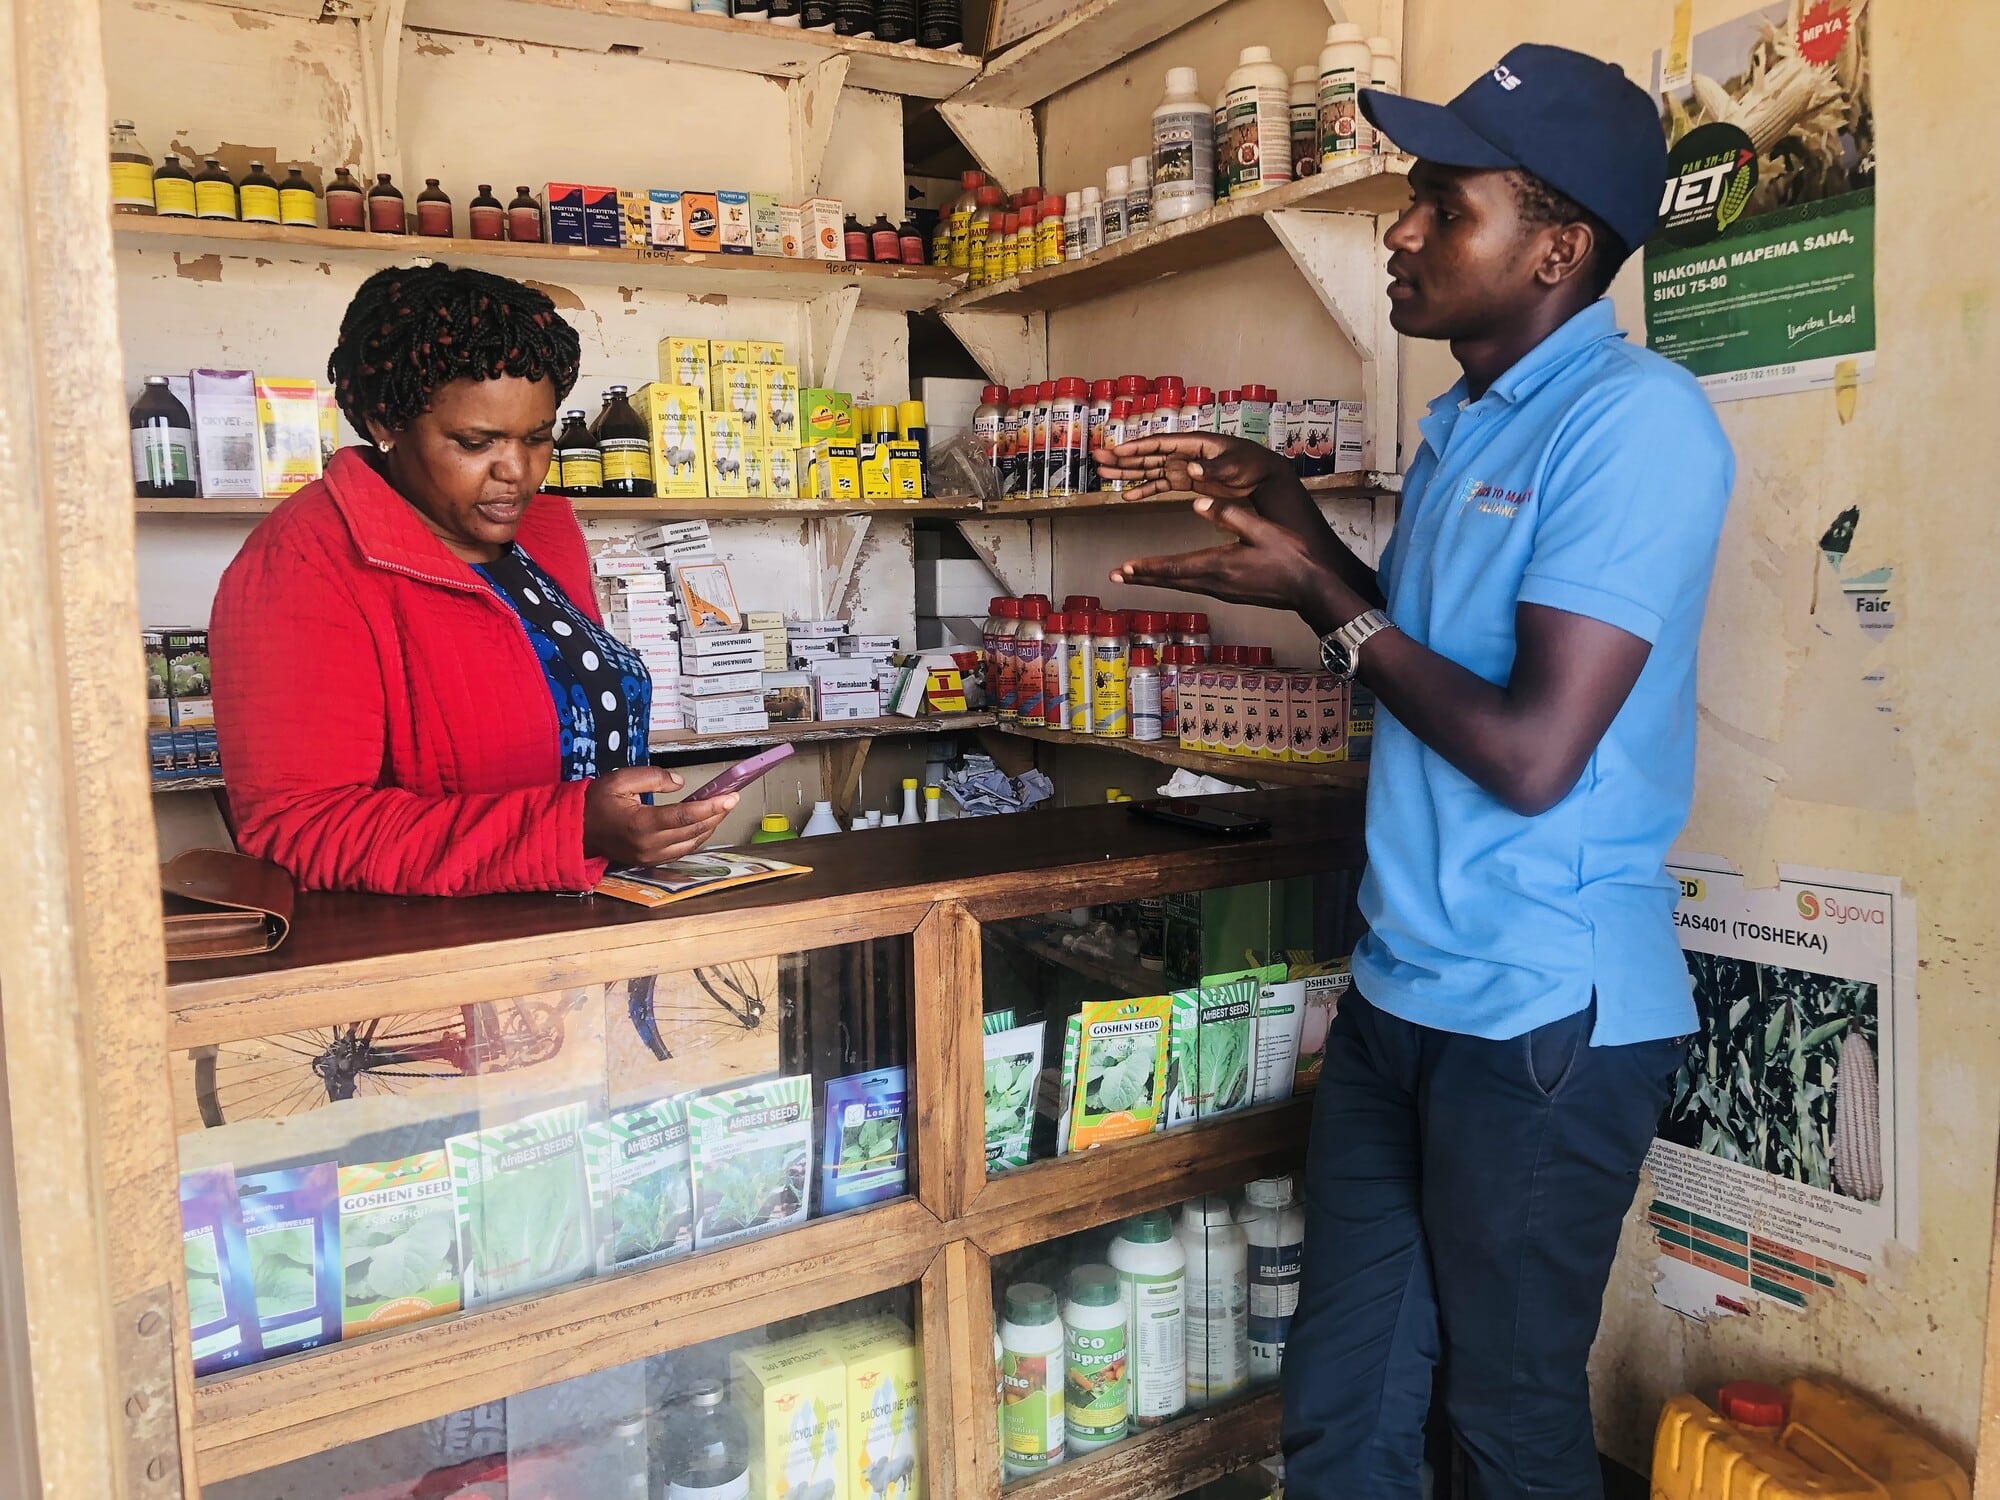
(1326, 983)
(398, 1241)
(997, 1020)
(1120, 1069)
(222, 1298)
(751, 1149)
(641, 1197)
(291, 1221)
(865, 1157)
(1209, 1051)
(523, 1204)
(1013, 1068)
(1281, 1013)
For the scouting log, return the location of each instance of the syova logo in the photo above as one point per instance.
(1840, 913)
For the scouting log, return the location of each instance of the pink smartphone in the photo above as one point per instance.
(742, 773)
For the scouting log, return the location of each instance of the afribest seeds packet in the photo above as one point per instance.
(524, 1219)
(639, 1184)
(751, 1147)
(1209, 1051)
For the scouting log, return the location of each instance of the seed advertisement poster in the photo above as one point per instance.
(1787, 1156)
(1761, 279)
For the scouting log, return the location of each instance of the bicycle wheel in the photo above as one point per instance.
(275, 1076)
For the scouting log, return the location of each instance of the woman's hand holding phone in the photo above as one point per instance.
(619, 825)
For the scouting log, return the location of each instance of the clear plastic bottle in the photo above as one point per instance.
(131, 171)
(1142, 686)
(1385, 72)
(1218, 1300)
(704, 1448)
(1183, 149)
(1260, 123)
(1117, 183)
(1344, 65)
(1097, 1391)
(1031, 1380)
(1152, 1281)
(1275, 1229)
(1138, 195)
(1305, 120)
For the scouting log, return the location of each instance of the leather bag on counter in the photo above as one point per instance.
(220, 904)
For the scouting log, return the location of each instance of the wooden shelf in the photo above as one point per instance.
(1170, 1460)
(707, 507)
(1100, 33)
(818, 733)
(1223, 233)
(1240, 768)
(901, 288)
(710, 41)
(1370, 482)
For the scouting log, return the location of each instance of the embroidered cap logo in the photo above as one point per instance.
(1506, 77)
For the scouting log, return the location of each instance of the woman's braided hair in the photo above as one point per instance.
(411, 329)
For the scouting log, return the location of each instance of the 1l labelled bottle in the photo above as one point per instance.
(1152, 1281)
(1218, 1301)
(1183, 150)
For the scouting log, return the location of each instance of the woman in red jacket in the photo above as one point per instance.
(414, 692)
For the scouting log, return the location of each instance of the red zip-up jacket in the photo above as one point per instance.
(383, 719)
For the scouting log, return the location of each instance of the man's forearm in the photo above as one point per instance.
(1283, 500)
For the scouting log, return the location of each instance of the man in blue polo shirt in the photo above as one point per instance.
(1491, 1088)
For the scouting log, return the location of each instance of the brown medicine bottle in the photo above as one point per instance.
(434, 211)
(214, 193)
(488, 220)
(524, 218)
(625, 447)
(344, 207)
(258, 195)
(173, 190)
(386, 214)
(298, 201)
(162, 443)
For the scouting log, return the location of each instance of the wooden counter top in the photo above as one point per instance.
(353, 955)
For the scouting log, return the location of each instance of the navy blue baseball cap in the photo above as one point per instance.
(1576, 122)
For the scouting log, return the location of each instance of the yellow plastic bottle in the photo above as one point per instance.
(1804, 1441)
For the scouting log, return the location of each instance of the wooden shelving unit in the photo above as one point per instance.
(1226, 232)
(1331, 485)
(665, 508)
(822, 734)
(1239, 768)
(626, 26)
(897, 288)
(1172, 1460)
(1098, 35)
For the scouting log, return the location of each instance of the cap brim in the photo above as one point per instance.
(1431, 132)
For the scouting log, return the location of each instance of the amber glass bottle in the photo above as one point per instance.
(258, 195)
(344, 206)
(625, 448)
(524, 218)
(173, 190)
(434, 211)
(298, 203)
(487, 218)
(214, 193)
(582, 464)
(386, 214)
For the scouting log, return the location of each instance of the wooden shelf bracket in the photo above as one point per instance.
(811, 100)
(1001, 140)
(1012, 348)
(1343, 259)
(824, 322)
(382, 82)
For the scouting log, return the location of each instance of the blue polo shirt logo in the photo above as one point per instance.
(1590, 478)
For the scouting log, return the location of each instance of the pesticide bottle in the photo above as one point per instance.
(1152, 1281)
(1090, 220)
(1139, 195)
(1225, 170)
(1276, 1229)
(1117, 184)
(1031, 1380)
(1385, 73)
(1305, 120)
(1259, 94)
(1142, 685)
(1183, 149)
(960, 217)
(933, 804)
(1218, 1300)
(775, 829)
(1097, 1392)
(1344, 71)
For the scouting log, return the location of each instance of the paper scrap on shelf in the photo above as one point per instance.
(1186, 783)
(983, 789)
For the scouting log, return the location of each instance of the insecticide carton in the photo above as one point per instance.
(1229, 711)
(665, 227)
(399, 1243)
(727, 438)
(1301, 706)
(685, 361)
(701, 221)
(875, 471)
(825, 413)
(767, 232)
(673, 416)
(792, 1397)
(781, 402)
(1250, 701)
(1330, 712)
(884, 1408)
(906, 470)
(843, 471)
(1120, 1069)
(288, 433)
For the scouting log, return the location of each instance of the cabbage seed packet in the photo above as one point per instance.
(398, 1243)
(865, 1156)
(1013, 1071)
(1209, 1050)
(639, 1185)
(751, 1148)
(523, 1204)
(1120, 1071)
(291, 1221)
(222, 1298)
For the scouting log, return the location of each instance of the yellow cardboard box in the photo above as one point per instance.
(781, 473)
(781, 404)
(684, 361)
(727, 443)
(906, 470)
(885, 1431)
(741, 388)
(792, 1397)
(673, 416)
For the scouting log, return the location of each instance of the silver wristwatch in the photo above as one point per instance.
(1340, 650)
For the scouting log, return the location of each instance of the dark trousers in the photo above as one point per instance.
(1463, 1201)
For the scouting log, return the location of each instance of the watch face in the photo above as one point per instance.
(1335, 657)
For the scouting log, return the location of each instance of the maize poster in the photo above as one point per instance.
(1783, 1162)
(1761, 279)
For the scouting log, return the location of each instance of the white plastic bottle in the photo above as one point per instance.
(1117, 183)
(1183, 149)
(909, 813)
(1097, 1393)
(1276, 1229)
(1260, 123)
(1152, 1281)
(933, 804)
(1385, 71)
(1090, 231)
(1305, 120)
(1139, 196)
(822, 821)
(1218, 1300)
(1031, 1380)
(1344, 71)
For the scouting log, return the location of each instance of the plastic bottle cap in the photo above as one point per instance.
(1046, 391)
(708, 1393)
(933, 793)
(1030, 1302)
(1141, 170)
(1250, 56)
(1232, 395)
(1010, 609)
(1131, 385)
(1052, 206)
(1122, 407)
(1033, 609)
(1102, 390)
(1070, 385)
(1043, 597)
(1075, 602)
(1094, 1286)
(1117, 182)
(1195, 623)
(1011, 223)
(775, 823)
(1103, 624)
(989, 197)
(1183, 81)
(1268, 1192)
(1030, 212)
(1344, 31)
(971, 181)
(991, 395)
(1200, 395)
(1206, 1212)
(1092, 197)
(909, 783)
(1144, 656)
(1121, 621)
(1154, 1228)
(1753, 1403)
(1306, 73)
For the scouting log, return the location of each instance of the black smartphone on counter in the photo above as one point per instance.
(1196, 814)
